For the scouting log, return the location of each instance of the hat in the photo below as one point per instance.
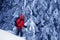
(22, 16)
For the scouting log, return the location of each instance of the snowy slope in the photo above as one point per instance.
(8, 36)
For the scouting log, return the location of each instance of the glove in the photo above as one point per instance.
(25, 26)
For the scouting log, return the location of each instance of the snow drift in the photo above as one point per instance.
(8, 36)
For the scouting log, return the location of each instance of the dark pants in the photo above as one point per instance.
(19, 31)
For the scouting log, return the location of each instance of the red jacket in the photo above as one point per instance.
(20, 22)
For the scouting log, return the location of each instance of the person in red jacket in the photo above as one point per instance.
(19, 24)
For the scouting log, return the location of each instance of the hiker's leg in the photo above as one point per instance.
(17, 33)
(21, 33)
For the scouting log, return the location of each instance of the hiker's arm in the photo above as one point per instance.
(25, 26)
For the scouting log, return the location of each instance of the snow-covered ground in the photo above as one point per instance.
(4, 35)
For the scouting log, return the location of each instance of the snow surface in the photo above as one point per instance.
(4, 35)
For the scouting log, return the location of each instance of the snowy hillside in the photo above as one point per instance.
(4, 35)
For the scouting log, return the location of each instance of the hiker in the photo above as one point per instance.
(19, 24)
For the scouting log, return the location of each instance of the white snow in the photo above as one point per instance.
(4, 35)
(31, 28)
